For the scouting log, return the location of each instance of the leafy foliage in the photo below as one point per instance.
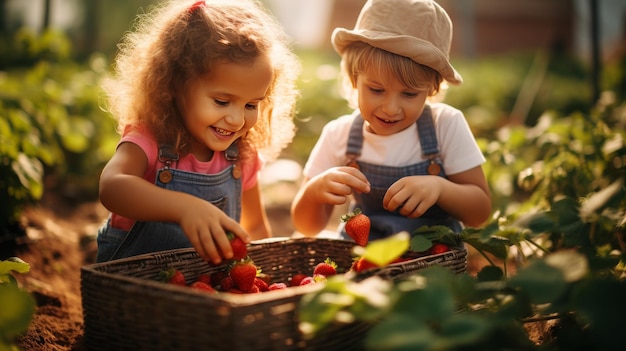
(18, 306)
(566, 229)
(51, 125)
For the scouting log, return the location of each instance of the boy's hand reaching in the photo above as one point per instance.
(205, 226)
(413, 196)
(335, 185)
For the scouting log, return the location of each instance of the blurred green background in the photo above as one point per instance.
(55, 136)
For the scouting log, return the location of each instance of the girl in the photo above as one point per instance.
(408, 161)
(201, 91)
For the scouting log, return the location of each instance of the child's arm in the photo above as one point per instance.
(125, 192)
(465, 196)
(314, 202)
(253, 215)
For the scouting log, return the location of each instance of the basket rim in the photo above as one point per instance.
(131, 283)
(182, 292)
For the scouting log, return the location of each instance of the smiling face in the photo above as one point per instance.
(386, 104)
(222, 106)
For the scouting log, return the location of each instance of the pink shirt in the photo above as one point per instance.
(250, 168)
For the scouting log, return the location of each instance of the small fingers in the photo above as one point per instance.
(356, 180)
(205, 246)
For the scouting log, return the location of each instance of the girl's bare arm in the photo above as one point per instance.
(125, 192)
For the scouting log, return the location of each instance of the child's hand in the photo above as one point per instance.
(336, 184)
(413, 195)
(206, 225)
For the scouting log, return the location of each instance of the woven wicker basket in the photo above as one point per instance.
(125, 308)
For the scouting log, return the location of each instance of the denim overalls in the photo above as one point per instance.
(222, 190)
(385, 223)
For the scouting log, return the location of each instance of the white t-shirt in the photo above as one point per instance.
(457, 146)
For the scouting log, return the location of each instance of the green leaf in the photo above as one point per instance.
(572, 264)
(400, 333)
(566, 211)
(384, 251)
(490, 273)
(318, 309)
(433, 233)
(494, 245)
(342, 300)
(18, 308)
(540, 223)
(464, 329)
(13, 264)
(30, 172)
(541, 282)
(434, 302)
(419, 243)
(599, 200)
(601, 303)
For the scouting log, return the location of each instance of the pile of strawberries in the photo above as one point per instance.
(244, 277)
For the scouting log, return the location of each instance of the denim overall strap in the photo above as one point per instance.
(385, 223)
(428, 141)
(426, 132)
(355, 140)
(222, 190)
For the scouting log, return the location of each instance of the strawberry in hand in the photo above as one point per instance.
(240, 249)
(357, 226)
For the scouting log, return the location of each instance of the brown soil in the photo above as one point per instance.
(60, 239)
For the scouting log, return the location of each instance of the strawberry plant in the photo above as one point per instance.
(564, 224)
(51, 123)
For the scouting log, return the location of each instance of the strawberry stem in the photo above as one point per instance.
(354, 213)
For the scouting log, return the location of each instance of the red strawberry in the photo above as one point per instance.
(240, 249)
(198, 285)
(173, 276)
(253, 289)
(277, 286)
(264, 277)
(217, 277)
(243, 274)
(297, 278)
(400, 260)
(362, 264)
(227, 283)
(438, 248)
(326, 268)
(204, 278)
(357, 226)
(261, 284)
(307, 280)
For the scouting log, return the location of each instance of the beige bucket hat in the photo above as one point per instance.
(418, 29)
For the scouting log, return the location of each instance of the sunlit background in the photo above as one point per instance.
(520, 60)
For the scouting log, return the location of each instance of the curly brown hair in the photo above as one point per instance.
(175, 42)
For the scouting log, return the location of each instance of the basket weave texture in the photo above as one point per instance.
(126, 308)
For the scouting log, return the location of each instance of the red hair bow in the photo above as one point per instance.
(196, 5)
